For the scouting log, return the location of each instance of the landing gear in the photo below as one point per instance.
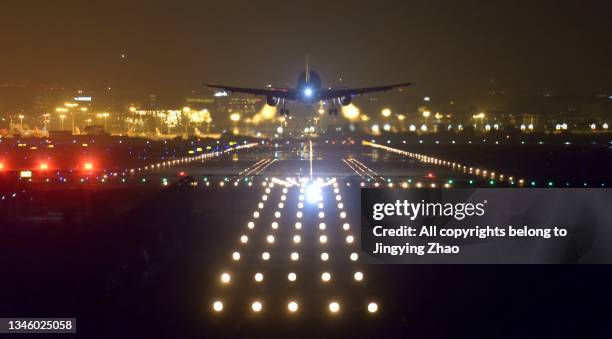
(333, 111)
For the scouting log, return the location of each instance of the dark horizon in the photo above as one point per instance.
(450, 50)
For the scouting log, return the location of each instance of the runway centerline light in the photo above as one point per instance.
(275, 225)
(322, 226)
(295, 256)
(259, 277)
(372, 307)
(325, 277)
(334, 307)
(270, 239)
(291, 276)
(292, 306)
(225, 278)
(265, 256)
(297, 239)
(236, 256)
(218, 306)
(350, 239)
(298, 225)
(324, 256)
(256, 306)
(354, 256)
(346, 226)
(244, 239)
(323, 239)
(358, 276)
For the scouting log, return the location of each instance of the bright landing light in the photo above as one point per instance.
(308, 92)
(313, 193)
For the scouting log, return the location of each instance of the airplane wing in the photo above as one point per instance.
(283, 93)
(328, 94)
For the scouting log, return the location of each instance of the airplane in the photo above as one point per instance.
(309, 90)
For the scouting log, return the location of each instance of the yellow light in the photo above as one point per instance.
(25, 174)
(225, 278)
(88, 166)
(218, 306)
(235, 117)
(401, 117)
(372, 307)
(259, 277)
(386, 112)
(292, 306)
(334, 307)
(256, 306)
(358, 276)
(350, 112)
(186, 109)
(291, 276)
(426, 114)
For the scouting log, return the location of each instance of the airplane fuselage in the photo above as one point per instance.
(309, 87)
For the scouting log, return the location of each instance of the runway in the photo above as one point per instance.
(240, 245)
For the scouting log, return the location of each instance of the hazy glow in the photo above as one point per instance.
(351, 112)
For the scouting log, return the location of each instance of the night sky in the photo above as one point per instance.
(451, 48)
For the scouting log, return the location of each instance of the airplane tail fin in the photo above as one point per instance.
(307, 68)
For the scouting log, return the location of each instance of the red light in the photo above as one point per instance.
(430, 175)
(181, 173)
(43, 167)
(88, 166)
(1, 166)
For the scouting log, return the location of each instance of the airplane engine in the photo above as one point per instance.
(271, 101)
(345, 101)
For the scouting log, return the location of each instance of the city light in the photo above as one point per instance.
(350, 112)
(386, 112)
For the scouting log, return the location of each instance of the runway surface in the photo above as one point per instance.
(241, 245)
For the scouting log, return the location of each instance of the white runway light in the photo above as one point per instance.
(350, 239)
(372, 307)
(270, 239)
(346, 226)
(281, 205)
(340, 205)
(325, 277)
(225, 278)
(259, 277)
(236, 256)
(256, 306)
(265, 256)
(292, 306)
(274, 225)
(334, 307)
(295, 256)
(354, 256)
(244, 239)
(264, 197)
(218, 306)
(260, 205)
(256, 214)
(297, 239)
(358, 276)
(277, 214)
(321, 215)
(322, 226)
(251, 225)
(323, 239)
(342, 215)
(324, 256)
(291, 276)
(299, 215)
(298, 225)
